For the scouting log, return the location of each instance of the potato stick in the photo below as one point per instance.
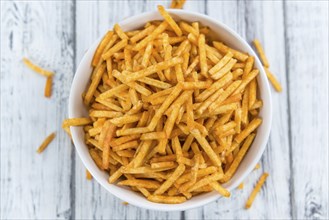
(173, 95)
(179, 73)
(248, 67)
(261, 53)
(94, 83)
(153, 69)
(136, 108)
(163, 159)
(116, 175)
(225, 49)
(170, 20)
(119, 32)
(179, 101)
(46, 142)
(192, 66)
(214, 87)
(104, 42)
(206, 147)
(48, 86)
(181, 48)
(162, 164)
(147, 54)
(94, 131)
(144, 148)
(105, 114)
(110, 132)
(128, 59)
(209, 101)
(148, 184)
(224, 95)
(221, 190)
(121, 44)
(237, 119)
(196, 85)
(221, 63)
(113, 91)
(159, 94)
(36, 68)
(202, 55)
(224, 70)
(121, 140)
(232, 99)
(127, 145)
(119, 121)
(189, 112)
(151, 36)
(142, 34)
(238, 66)
(257, 188)
(76, 122)
(257, 104)
(97, 159)
(132, 131)
(188, 28)
(153, 135)
(156, 83)
(171, 121)
(246, 81)
(250, 128)
(257, 166)
(226, 127)
(169, 182)
(126, 153)
(252, 93)
(119, 56)
(273, 80)
(200, 173)
(206, 180)
(166, 199)
(244, 107)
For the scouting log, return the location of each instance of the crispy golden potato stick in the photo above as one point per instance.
(170, 20)
(36, 68)
(167, 199)
(168, 183)
(46, 142)
(273, 80)
(250, 128)
(261, 53)
(97, 56)
(75, 122)
(48, 86)
(94, 83)
(257, 188)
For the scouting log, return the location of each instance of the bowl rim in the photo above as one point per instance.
(205, 200)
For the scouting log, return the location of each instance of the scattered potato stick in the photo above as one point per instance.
(48, 86)
(273, 80)
(36, 68)
(177, 4)
(257, 188)
(261, 53)
(46, 142)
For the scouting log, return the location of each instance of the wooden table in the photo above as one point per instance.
(56, 34)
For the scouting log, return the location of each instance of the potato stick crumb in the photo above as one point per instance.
(241, 186)
(257, 188)
(257, 166)
(48, 86)
(46, 142)
(125, 203)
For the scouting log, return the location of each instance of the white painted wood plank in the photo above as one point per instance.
(35, 186)
(307, 69)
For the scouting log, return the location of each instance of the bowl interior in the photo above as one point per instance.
(77, 109)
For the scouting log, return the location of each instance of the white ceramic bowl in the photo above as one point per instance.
(77, 109)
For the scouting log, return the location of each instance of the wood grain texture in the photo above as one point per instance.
(56, 34)
(308, 107)
(35, 186)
